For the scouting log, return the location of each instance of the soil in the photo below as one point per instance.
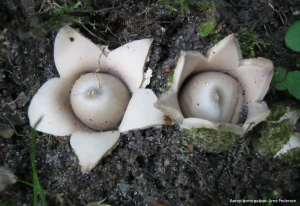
(151, 166)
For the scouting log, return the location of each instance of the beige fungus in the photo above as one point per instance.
(211, 91)
(92, 95)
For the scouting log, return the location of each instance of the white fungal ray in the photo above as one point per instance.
(189, 123)
(188, 63)
(52, 103)
(257, 112)
(255, 76)
(141, 113)
(169, 105)
(294, 142)
(74, 54)
(226, 55)
(128, 62)
(91, 147)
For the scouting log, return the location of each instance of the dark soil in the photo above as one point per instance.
(149, 166)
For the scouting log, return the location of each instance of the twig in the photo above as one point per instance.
(91, 33)
(283, 22)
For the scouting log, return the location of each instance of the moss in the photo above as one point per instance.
(171, 80)
(88, 4)
(277, 111)
(248, 41)
(216, 38)
(280, 109)
(60, 17)
(185, 6)
(211, 140)
(292, 156)
(272, 136)
(207, 27)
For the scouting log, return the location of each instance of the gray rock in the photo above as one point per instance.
(6, 131)
(21, 100)
(6, 177)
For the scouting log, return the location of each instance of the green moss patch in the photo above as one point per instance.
(185, 6)
(273, 136)
(277, 111)
(248, 42)
(280, 109)
(211, 140)
(292, 155)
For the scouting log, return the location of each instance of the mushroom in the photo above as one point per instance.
(216, 91)
(90, 98)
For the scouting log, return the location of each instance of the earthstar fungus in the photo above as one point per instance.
(215, 91)
(92, 95)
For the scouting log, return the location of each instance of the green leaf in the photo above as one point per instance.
(281, 85)
(293, 83)
(280, 74)
(292, 37)
(298, 63)
(207, 27)
(280, 78)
